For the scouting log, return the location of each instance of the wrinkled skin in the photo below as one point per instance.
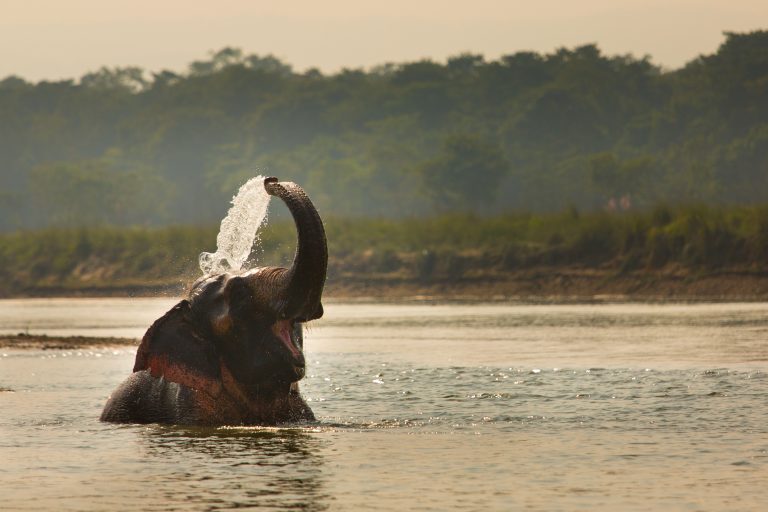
(232, 352)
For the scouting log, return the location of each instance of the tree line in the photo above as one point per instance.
(526, 132)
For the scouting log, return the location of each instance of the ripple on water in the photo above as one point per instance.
(400, 433)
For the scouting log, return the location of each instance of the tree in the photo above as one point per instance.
(129, 79)
(91, 192)
(13, 82)
(465, 175)
(633, 178)
(534, 131)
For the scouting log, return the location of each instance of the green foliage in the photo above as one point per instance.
(101, 257)
(93, 193)
(426, 249)
(527, 131)
(633, 178)
(465, 176)
(130, 79)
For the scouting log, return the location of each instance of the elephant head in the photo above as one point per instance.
(232, 352)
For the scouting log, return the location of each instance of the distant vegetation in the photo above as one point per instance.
(448, 249)
(526, 132)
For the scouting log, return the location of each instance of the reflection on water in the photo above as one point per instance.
(121, 318)
(499, 407)
(241, 467)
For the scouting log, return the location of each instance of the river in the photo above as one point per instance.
(420, 407)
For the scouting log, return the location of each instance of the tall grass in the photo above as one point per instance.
(694, 237)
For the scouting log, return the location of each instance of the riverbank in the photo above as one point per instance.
(554, 284)
(686, 253)
(570, 285)
(44, 342)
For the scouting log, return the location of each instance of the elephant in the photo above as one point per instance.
(231, 353)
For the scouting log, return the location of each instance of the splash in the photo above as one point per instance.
(239, 229)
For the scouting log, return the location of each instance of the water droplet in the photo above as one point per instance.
(239, 229)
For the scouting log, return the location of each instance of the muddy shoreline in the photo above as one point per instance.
(575, 285)
(534, 286)
(549, 284)
(45, 342)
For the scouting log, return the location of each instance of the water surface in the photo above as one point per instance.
(426, 407)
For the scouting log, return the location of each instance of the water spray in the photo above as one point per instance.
(239, 229)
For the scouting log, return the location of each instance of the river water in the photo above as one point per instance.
(420, 407)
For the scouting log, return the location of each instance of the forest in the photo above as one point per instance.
(573, 130)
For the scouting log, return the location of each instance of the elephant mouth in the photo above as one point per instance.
(285, 332)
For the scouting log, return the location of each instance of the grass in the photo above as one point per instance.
(699, 238)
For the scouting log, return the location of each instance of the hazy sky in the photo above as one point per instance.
(52, 39)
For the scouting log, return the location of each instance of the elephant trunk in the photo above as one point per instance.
(303, 284)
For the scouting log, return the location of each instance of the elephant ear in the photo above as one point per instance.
(175, 348)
